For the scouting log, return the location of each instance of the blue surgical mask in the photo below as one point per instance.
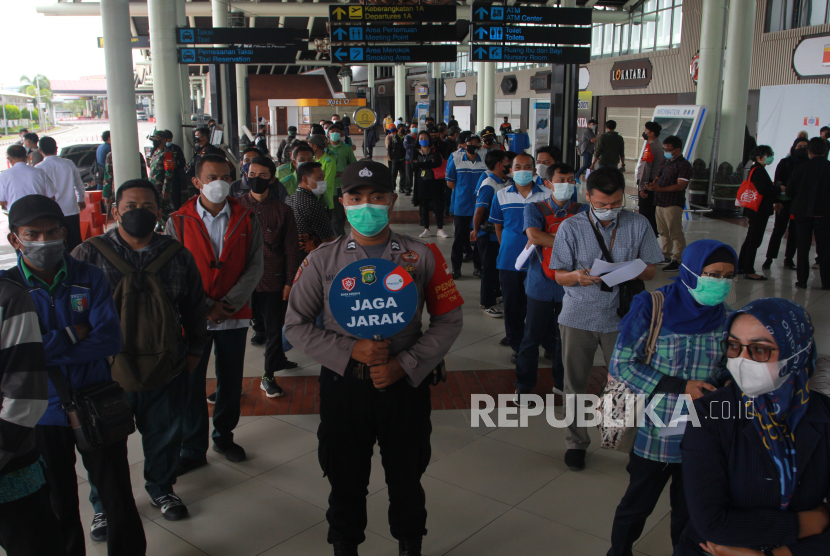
(334, 136)
(769, 160)
(168, 144)
(523, 177)
(424, 142)
(668, 155)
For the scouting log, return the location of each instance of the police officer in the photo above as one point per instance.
(374, 390)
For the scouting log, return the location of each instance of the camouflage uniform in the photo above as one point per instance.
(163, 180)
(108, 192)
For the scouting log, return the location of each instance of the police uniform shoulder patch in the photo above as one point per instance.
(352, 245)
(395, 246)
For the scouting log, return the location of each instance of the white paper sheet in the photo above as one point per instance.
(614, 274)
(674, 427)
(601, 267)
(524, 256)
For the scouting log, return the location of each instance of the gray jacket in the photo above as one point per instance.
(648, 171)
(585, 144)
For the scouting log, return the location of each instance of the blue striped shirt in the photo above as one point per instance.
(509, 210)
(465, 174)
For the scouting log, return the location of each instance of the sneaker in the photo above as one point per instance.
(232, 452)
(211, 399)
(558, 390)
(673, 266)
(289, 365)
(171, 506)
(98, 529)
(477, 272)
(425, 233)
(258, 339)
(519, 398)
(186, 465)
(575, 459)
(494, 311)
(443, 234)
(270, 387)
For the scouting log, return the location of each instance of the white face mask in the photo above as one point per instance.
(216, 191)
(756, 379)
(542, 170)
(321, 188)
(563, 191)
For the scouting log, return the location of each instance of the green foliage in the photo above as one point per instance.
(12, 112)
(26, 115)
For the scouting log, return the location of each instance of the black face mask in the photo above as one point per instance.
(138, 222)
(258, 184)
(802, 152)
(472, 149)
(645, 136)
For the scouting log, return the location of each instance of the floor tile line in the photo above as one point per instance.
(291, 537)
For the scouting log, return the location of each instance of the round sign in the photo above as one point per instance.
(364, 118)
(373, 297)
(694, 67)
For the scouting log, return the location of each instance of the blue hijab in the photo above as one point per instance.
(777, 414)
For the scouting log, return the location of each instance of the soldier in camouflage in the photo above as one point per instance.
(162, 174)
(108, 192)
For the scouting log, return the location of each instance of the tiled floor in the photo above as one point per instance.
(490, 492)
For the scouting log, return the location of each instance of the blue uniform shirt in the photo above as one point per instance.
(538, 286)
(508, 210)
(486, 190)
(465, 174)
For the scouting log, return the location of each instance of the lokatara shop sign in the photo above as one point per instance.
(631, 74)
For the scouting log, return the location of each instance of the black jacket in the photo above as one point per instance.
(809, 187)
(732, 488)
(763, 183)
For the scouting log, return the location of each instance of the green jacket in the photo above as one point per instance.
(330, 170)
(343, 155)
(610, 149)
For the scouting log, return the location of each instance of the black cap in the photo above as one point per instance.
(31, 207)
(292, 129)
(367, 172)
(654, 127)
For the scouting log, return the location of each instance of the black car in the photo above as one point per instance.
(83, 155)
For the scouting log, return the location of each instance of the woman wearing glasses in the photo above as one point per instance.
(756, 469)
(763, 156)
(687, 355)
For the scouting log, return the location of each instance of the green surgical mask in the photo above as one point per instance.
(769, 160)
(710, 291)
(368, 220)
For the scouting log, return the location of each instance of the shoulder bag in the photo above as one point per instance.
(629, 288)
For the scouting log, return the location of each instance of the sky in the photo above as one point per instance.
(57, 47)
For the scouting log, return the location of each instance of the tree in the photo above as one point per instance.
(26, 115)
(12, 112)
(36, 79)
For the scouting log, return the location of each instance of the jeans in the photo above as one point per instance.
(587, 158)
(461, 242)
(490, 285)
(229, 350)
(28, 526)
(353, 414)
(273, 310)
(108, 468)
(754, 239)
(515, 305)
(647, 478)
(541, 328)
(807, 227)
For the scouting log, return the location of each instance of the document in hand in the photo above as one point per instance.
(614, 274)
(521, 260)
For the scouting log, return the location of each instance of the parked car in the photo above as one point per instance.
(83, 155)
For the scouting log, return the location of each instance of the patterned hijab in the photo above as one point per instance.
(776, 415)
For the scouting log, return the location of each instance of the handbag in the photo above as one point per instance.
(748, 196)
(99, 414)
(629, 288)
(615, 393)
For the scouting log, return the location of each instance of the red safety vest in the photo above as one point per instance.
(551, 226)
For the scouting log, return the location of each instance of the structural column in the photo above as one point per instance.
(489, 110)
(400, 91)
(118, 61)
(220, 19)
(187, 90)
(740, 31)
(709, 70)
(481, 86)
(167, 77)
(370, 88)
(242, 118)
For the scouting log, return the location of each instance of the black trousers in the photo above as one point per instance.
(647, 478)
(397, 169)
(754, 239)
(109, 471)
(488, 250)
(353, 414)
(435, 203)
(806, 228)
(515, 306)
(647, 209)
(73, 231)
(461, 242)
(28, 526)
(410, 177)
(783, 222)
(257, 322)
(273, 312)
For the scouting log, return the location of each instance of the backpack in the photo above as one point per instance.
(97, 172)
(551, 226)
(150, 326)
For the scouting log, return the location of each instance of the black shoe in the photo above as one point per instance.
(673, 266)
(211, 399)
(171, 506)
(548, 355)
(409, 547)
(789, 265)
(504, 342)
(98, 530)
(467, 258)
(801, 286)
(575, 459)
(514, 358)
(345, 549)
(477, 272)
(258, 339)
(270, 387)
(289, 365)
(519, 400)
(767, 264)
(186, 465)
(456, 274)
(232, 452)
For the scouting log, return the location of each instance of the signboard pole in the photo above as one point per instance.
(564, 102)
(5, 120)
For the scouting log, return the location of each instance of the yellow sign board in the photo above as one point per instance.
(331, 102)
(364, 118)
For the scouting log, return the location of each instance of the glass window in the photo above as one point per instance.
(596, 41)
(793, 14)
(663, 28)
(647, 44)
(624, 43)
(677, 23)
(635, 38)
(818, 13)
(608, 39)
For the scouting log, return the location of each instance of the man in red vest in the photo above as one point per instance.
(226, 241)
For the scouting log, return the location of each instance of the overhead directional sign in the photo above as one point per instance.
(541, 54)
(260, 55)
(414, 32)
(499, 13)
(239, 35)
(393, 53)
(370, 13)
(531, 33)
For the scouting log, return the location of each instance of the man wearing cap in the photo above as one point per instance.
(21, 179)
(651, 163)
(69, 188)
(318, 145)
(81, 331)
(282, 155)
(374, 391)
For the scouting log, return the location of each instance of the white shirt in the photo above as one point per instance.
(67, 181)
(21, 180)
(217, 227)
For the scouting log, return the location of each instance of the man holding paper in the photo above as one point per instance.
(589, 309)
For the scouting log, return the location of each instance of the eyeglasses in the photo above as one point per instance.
(757, 352)
(718, 275)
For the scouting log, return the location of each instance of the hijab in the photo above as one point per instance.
(777, 414)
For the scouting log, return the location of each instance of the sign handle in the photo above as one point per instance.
(378, 338)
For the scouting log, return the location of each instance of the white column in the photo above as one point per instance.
(489, 93)
(219, 11)
(242, 99)
(709, 68)
(740, 31)
(481, 86)
(346, 83)
(167, 77)
(187, 91)
(400, 92)
(118, 62)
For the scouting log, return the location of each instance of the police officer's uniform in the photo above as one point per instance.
(353, 412)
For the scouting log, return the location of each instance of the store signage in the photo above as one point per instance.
(811, 58)
(342, 33)
(135, 42)
(381, 89)
(239, 35)
(356, 13)
(531, 33)
(540, 54)
(393, 54)
(631, 74)
(331, 102)
(254, 55)
(486, 12)
(423, 91)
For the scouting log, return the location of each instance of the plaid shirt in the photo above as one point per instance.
(686, 356)
(673, 170)
(313, 222)
(281, 249)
